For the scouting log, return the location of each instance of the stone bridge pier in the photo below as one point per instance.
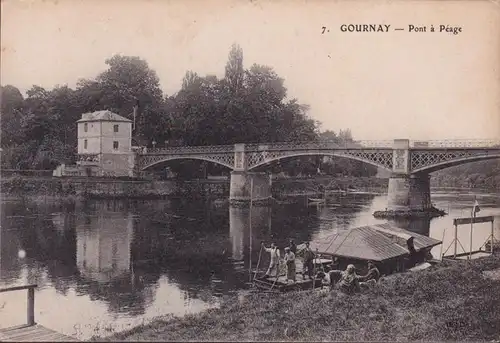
(246, 185)
(409, 192)
(408, 195)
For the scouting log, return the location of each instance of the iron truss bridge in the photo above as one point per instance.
(423, 156)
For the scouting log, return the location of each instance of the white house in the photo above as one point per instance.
(104, 144)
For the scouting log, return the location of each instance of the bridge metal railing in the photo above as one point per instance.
(360, 144)
(277, 146)
(456, 143)
(319, 145)
(190, 149)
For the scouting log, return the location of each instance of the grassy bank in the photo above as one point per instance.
(452, 301)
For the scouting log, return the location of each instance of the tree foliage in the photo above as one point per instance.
(482, 174)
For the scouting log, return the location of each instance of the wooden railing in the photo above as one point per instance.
(30, 310)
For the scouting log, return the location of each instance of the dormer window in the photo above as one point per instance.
(115, 128)
(85, 127)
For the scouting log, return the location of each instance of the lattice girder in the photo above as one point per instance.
(435, 159)
(379, 157)
(146, 161)
(425, 159)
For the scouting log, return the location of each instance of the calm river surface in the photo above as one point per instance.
(105, 266)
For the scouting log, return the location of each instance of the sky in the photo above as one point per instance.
(381, 85)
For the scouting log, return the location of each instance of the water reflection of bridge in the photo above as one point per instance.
(245, 227)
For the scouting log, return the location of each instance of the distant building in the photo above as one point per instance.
(104, 146)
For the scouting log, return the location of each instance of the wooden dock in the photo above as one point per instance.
(31, 332)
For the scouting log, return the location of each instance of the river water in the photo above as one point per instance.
(105, 266)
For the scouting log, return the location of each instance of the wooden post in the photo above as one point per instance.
(250, 224)
(31, 307)
(314, 269)
(472, 216)
(455, 242)
(492, 238)
(442, 240)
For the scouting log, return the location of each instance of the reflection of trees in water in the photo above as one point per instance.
(130, 293)
(189, 252)
(292, 221)
(9, 242)
(45, 234)
(48, 234)
(188, 241)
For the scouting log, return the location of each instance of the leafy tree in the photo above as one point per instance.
(234, 76)
(345, 136)
(482, 174)
(12, 108)
(128, 80)
(12, 99)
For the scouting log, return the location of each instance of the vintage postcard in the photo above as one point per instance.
(267, 170)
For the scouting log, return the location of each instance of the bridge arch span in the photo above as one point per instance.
(150, 164)
(385, 161)
(455, 162)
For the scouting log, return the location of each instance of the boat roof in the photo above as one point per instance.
(102, 116)
(373, 242)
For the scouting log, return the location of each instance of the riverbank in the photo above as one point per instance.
(108, 188)
(112, 188)
(52, 188)
(452, 301)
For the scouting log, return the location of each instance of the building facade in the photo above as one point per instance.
(104, 144)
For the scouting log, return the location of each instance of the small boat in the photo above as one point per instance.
(316, 200)
(281, 284)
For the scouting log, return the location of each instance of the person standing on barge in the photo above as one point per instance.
(308, 261)
(290, 264)
(273, 269)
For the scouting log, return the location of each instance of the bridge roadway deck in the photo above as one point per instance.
(33, 333)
